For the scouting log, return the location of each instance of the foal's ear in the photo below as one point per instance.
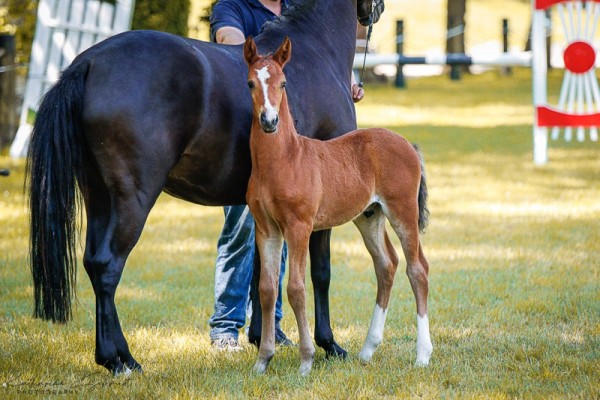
(250, 52)
(284, 52)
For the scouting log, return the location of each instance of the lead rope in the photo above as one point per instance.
(362, 72)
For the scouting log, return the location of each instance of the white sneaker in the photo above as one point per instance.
(226, 344)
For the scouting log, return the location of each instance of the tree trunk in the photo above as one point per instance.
(8, 99)
(455, 38)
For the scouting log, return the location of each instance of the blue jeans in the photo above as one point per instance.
(233, 274)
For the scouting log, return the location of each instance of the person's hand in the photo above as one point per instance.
(357, 93)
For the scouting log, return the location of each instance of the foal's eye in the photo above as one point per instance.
(251, 84)
(283, 85)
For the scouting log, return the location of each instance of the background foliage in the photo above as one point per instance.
(18, 17)
(168, 16)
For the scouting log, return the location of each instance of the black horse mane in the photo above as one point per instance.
(297, 9)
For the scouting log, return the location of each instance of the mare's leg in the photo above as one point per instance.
(385, 261)
(270, 247)
(115, 222)
(254, 329)
(297, 237)
(404, 222)
(320, 273)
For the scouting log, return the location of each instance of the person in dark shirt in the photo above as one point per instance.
(231, 21)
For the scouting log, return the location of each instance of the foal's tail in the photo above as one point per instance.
(423, 210)
(54, 169)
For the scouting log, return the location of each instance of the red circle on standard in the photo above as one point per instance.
(579, 57)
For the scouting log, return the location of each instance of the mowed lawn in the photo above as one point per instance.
(514, 251)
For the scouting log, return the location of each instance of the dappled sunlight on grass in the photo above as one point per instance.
(479, 116)
(513, 301)
(137, 293)
(350, 248)
(530, 210)
(186, 245)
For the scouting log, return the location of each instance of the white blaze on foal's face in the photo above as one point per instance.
(263, 76)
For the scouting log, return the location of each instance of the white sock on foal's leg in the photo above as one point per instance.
(424, 346)
(375, 335)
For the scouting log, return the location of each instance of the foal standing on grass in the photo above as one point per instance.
(299, 185)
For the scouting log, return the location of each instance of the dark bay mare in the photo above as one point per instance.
(145, 112)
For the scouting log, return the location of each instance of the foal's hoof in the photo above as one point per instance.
(424, 350)
(260, 367)
(365, 356)
(305, 367)
(423, 359)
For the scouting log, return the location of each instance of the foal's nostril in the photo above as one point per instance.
(268, 125)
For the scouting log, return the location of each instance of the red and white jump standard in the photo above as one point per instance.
(579, 100)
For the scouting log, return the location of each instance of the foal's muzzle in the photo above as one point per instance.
(269, 125)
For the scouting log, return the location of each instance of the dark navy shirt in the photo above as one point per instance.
(248, 16)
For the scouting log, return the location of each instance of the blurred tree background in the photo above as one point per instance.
(167, 16)
(18, 17)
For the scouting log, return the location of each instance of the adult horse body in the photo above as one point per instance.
(145, 112)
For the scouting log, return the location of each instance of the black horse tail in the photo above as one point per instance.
(54, 169)
(422, 197)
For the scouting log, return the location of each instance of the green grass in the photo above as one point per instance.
(514, 298)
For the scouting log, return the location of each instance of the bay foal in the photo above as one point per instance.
(299, 185)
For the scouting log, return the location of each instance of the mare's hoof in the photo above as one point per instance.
(134, 367)
(333, 350)
(126, 369)
(121, 372)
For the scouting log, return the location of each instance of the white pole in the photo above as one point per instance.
(539, 73)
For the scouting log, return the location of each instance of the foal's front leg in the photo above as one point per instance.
(270, 248)
(297, 238)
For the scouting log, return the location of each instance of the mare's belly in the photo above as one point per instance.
(209, 182)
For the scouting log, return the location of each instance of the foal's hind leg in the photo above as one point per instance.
(404, 221)
(385, 261)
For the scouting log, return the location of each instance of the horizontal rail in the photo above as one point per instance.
(13, 67)
(500, 60)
